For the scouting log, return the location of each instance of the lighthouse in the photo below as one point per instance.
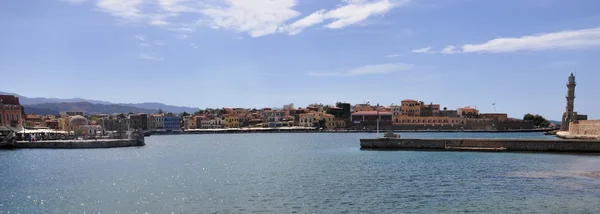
(569, 115)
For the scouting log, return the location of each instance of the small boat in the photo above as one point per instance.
(8, 141)
(391, 134)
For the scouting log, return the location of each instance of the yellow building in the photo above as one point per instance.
(411, 108)
(232, 121)
(307, 120)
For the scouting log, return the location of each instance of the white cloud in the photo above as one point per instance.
(125, 9)
(150, 56)
(355, 11)
(254, 17)
(257, 18)
(573, 39)
(144, 45)
(368, 70)
(160, 43)
(450, 49)
(194, 46)
(183, 36)
(422, 50)
(141, 38)
(392, 55)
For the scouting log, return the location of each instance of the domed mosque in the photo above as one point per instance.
(77, 122)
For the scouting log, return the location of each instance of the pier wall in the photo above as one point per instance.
(510, 144)
(79, 144)
(585, 128)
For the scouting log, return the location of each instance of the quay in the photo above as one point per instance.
(79, 144)
(466, 144)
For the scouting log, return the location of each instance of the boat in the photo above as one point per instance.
(8, 141)
(390, 134)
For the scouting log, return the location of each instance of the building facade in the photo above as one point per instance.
(11, 112)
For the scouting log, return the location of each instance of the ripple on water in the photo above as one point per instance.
(293, 173)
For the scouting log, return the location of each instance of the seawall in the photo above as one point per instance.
(79, 144)
(536, 145)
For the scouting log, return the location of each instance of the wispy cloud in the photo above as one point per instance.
(254, 17)
(183, 36)
(141, 38)
(368, 70)
(572, 39)
(422, 50)
(392, 56)
(562, 40)
(353, 12)
(150, 56)
(145, 45)
(160, 43)
(450, 49)
(125, 9)
(194, 46)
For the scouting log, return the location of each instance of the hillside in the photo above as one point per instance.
(145, 105)
(86, 107)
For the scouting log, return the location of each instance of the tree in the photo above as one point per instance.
(199, 112)
(185, 114)
(160, 111)
(537, 119)
(322, 124)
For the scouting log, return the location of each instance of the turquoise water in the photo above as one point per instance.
(295, 173)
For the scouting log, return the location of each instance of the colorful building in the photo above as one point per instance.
(11, 112)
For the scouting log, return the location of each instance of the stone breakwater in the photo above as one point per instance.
(80, 144)
(533, 145)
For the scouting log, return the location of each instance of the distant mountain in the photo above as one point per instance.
(40, 111)
(555, 122)
(165, 108)
(39, 100)
(86, 107)
(146, 105)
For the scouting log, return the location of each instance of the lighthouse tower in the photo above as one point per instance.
(569, 115)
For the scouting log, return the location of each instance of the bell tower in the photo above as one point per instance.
(569, 115)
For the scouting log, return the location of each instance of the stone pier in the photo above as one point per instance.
(527, 145)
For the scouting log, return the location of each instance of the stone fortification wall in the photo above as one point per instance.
(509, 144)
(79, 144)
(585, 128)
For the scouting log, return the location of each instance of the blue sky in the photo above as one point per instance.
(257, 53)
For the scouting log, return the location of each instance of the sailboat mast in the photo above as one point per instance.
(378, 120)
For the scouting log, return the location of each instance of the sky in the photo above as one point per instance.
(267, 53)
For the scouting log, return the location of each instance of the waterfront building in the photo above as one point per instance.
(138, 121)
(34, 121)
(232, 121)
(157, 122)
(12, 113)
(468, 112)
(369, 118)
(448, 113)
(171, 122)
(329, 121)
(77, 123)
(411, 108)
(396, 113)
(307, 119)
